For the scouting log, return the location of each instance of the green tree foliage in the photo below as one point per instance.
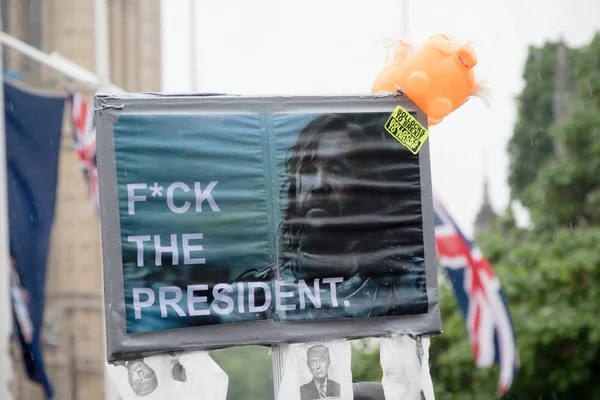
(566, 191)
(531, 145)
(250, 372)
(365, 361)
(551, 287)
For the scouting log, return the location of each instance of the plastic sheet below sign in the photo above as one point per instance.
(189, 375)
(405, 366)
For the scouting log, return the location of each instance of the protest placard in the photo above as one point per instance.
(261, 220)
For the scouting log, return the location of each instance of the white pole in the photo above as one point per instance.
(6, 322)
(55, 61)
(193, 46)
(404, 17)
(101, 35)
(103, 72)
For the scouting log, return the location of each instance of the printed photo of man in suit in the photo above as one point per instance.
(320, 387)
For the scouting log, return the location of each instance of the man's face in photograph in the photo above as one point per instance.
(324, 195)
(318, 363)
(141, 378)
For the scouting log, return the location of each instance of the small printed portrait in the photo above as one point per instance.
(141, 377)
(321, 386)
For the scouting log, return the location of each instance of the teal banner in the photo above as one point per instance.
(239, 217)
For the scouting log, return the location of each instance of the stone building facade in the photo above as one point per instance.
(73, 332)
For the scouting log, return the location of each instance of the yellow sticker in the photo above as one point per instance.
(406, 129)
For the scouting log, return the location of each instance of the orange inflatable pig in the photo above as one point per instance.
(437, 76)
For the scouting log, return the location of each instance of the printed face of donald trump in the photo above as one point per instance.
(318, 361)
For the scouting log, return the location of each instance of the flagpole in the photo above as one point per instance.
(57, 62)
(103, 73)
(193, 47)
(6, 322)
(101, 38)
(404, 16)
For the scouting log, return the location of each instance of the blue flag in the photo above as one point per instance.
(33, 130)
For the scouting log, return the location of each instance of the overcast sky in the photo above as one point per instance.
(335, 46)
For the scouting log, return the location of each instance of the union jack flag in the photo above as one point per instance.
(84, 132)
(480, 297)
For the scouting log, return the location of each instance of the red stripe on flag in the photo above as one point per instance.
(475, 333)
